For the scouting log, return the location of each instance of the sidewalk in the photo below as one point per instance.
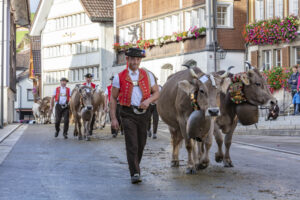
(283, 126)
(7, 130)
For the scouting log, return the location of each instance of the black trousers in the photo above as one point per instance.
(135, 130)
(59, 113)
(155, 116)
(113, 131)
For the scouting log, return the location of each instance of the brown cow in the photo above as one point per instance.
(174, 107)
(81, 105)
(44, 109)
(99, 107)
(256, 93)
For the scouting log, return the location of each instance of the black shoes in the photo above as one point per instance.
(114, 135)
(135, 179)
(65, 135)
(56, 134)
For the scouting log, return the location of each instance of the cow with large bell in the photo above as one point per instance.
(188, 96)
(247, 91)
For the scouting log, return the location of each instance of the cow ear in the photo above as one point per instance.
(186, 87)
(245, 78)
(225, 83)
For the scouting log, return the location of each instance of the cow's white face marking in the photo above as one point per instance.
(203, 78)
(212, 79)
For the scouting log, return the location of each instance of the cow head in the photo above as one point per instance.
(256, 90)
(86, 97)
(208, 89)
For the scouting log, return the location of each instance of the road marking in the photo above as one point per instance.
(268, 148)
(8, 143)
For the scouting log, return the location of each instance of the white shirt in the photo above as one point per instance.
(106, 92)
(137, 94)
(63, 97)
(88, 84)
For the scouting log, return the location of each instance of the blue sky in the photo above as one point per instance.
(33, 5)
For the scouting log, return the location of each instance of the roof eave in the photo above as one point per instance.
(101, 19)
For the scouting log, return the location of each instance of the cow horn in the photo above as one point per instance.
(212, 79)
(194, 75)
(227, 72)
(248, 64)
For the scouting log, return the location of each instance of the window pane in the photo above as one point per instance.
(222, 15)
(29, 95)
(259, 10)
(187, 21)
(160, 28)
(298, 56)
(147, 31)
(269, 9)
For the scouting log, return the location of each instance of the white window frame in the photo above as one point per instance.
(297, 60)
(268, 63)
(293, 7)
(269, 9)
(259, 10)
(279, 8)
(229, 17)
(278, 64)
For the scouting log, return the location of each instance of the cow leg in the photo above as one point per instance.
(228, 140)
(79, 129)
(204, 159)
(219, 139)
(87, 128)
(176, 144)
(189, 145)
(75, 133)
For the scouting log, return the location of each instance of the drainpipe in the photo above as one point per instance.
(215, 40)
(2, 70)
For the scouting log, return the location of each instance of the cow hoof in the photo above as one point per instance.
(218, 158)
(175, 163)
(228, 164)
(79, 137)
(202, 166)
(190, 170)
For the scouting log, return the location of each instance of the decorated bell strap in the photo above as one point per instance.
(194, 103)
(236, 88)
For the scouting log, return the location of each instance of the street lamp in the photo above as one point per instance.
(221, 53)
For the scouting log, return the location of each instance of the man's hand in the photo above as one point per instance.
(115, 124)
(145, 104)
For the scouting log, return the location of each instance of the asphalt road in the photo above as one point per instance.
(40, 167)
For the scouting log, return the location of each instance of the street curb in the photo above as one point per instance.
(269, 132)
(9, 133)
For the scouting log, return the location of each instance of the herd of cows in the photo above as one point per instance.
(84, 103)
(195, 106)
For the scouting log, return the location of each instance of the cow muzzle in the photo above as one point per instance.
(212, 112)
(89, 107)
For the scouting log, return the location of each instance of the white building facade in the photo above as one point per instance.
(16, 12)
(76, 38)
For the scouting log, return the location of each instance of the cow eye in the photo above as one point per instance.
(201, 91)
(258, 84)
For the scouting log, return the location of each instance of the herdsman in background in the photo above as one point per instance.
(155, 118)
(88, 82)
(61, 96)
(107, 93)
(133, 86)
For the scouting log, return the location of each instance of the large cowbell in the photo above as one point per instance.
(247, 114)
(198, 125)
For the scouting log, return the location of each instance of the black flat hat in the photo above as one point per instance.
(89, 75)
(111, 78)
(64, 79)
(135, 52)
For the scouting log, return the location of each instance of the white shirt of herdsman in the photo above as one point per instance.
(137, 95)
(63, 95)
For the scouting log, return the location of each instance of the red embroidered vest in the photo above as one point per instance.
(92, 85)
(126, 86)
(109, 92)
(58, 93)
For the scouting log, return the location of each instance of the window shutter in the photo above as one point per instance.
(254, 59)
